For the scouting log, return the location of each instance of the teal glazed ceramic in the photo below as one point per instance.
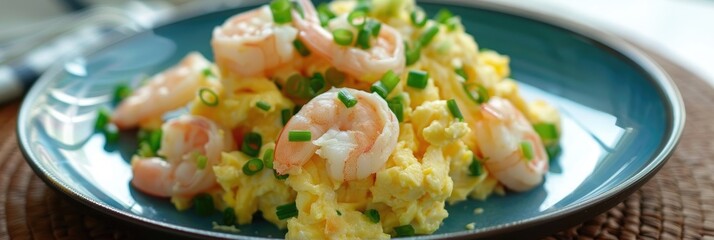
(621, 119)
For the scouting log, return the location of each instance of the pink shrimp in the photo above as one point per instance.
(186, 141)
(501, 135)
(355, 141)
(166, 91)
(369, 65)
(249, 44)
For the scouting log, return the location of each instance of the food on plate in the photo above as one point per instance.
(350, 119)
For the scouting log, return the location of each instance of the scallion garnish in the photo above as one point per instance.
(379, 88)
(372, 215)
(201, 161)
(478, 90)
(404, 231)
(298, 86)
(285, 115)
(334, 77)
(357, 19)
(417, 79)
(343, 37)
(397, 108)
(253, 166)
(317, 83)
(338, 212)
(452, 23)
(443, 15)
(280, 177)
(390, 80)
(121, 92)
(229, 216)
(374, 27)
(428, 35)
(412, 54)
(454, 109)
(419, 18)
(461, 72)
(102, 119)
(281, 11)
(299, 136)
(286, 211)
(263, 105)
(251, 144)
(363, 38)
(208, 97)
(475, 168)
(111, 133)
(207, 72)
(347, 98)
(552, 150)
(301, 48)
(325, 14)
(149, 142)
(546, 131)
(203, 204)
(363, 5)
(527, 150)
(268, 158)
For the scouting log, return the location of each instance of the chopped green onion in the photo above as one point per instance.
(417, 79)
(149, 142)
(338, 213)
(404, 231)
(325, 14)
(208, 97)
(552, 150)
(546, 131)
(285, 115)
(454, 109)
(419, 18)
(397, 108)
(317, 83)
(201, 161)
(299, 9)
(251, 144)
(379, 88)
(111, 133)
(102, 119)
(299, 136)
(443, 15)
(478, 90)
(207, 72)
(121, 92)
(268, 158)
(374, 27)
(280, 177)
(357, 18)
(347, 98)
(363, 5)
(475, 168)
(287, 211)
(461, 72)
(428, 35)
(145, 150)
(527, 150)
(452, 23)
(372, 215)
(390, 80)
(334, 77)
(301, 48)
(363, 38)
(263, 105)
(203, 204)
(298, 86)
(229, 216)
(281, 10)
(412, 54)
(343, 37)
(253, 166)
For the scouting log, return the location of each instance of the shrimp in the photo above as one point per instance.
(186, 140)
(249, 44)
(165, 91)
(355, 142)
(387, 53)
(499, 135)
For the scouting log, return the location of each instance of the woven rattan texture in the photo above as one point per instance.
(678, 203)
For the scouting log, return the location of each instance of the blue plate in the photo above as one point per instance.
(622, 117)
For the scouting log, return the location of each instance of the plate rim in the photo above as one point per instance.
(674, 108)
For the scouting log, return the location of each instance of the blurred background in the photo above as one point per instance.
(33, 31)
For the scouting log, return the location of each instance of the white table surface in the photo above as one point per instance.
(682, 30)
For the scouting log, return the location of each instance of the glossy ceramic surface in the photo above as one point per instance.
(621, 119)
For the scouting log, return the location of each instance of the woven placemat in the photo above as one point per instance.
(678, 203)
